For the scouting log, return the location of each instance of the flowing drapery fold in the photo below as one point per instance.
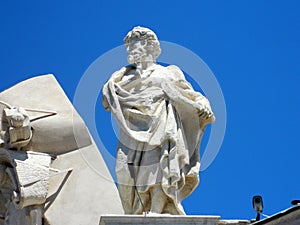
(160, 133)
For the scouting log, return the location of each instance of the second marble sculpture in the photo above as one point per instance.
(46, 158)
(162, 120)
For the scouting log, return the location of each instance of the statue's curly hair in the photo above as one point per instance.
(143, 33)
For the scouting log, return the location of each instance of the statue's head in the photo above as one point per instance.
(17, 120)
(140, 43)
(17, 116)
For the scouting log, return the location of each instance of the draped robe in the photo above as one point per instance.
(159, 115)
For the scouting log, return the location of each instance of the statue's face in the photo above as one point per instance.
(138, 51)
(17, 120)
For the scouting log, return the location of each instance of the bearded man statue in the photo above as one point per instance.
(162, 120)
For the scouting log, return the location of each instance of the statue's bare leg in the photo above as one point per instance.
(158, 199)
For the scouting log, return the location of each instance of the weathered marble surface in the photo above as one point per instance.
(23, 187)
(167, 219)
(73, 192)
(18, 133)
(162, 120)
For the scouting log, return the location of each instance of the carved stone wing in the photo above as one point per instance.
(55, 134)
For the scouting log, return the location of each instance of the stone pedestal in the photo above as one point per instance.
(166, 220)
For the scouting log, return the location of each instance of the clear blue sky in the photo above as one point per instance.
(252, 47)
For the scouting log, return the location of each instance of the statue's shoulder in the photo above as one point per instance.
(124, 71)
(176, 72)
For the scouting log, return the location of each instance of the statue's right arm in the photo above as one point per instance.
(104, 97)
(115, 78)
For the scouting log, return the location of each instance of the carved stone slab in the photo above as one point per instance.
(167, 220)
(77, 193)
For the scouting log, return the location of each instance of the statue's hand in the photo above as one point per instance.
(105, 104)
(206, 114)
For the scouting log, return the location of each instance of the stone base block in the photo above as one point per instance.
(150, 219)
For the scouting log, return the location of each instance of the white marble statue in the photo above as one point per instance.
(161, 121)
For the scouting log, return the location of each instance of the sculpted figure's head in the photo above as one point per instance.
(17, 120)
(17, 116)
(142, 45)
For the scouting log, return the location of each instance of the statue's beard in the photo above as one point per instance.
(136, 58)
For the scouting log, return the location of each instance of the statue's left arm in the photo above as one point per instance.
(186, 92)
